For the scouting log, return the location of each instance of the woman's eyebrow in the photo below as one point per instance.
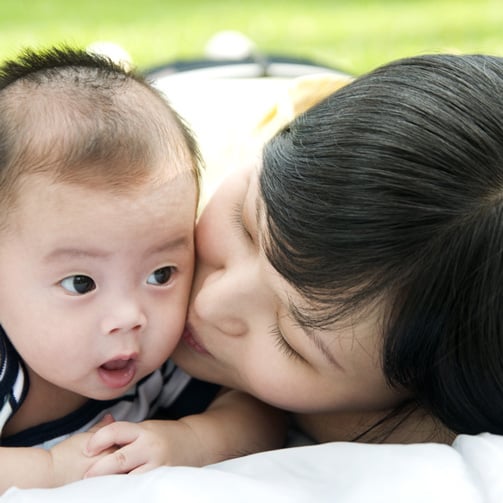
(258, 218)
(301, 320)
(259, 206)
(258, 211)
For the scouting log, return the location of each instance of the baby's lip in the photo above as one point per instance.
(116, 364)
(119, 371)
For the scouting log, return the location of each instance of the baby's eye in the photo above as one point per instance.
(78, 284)
(160, 276)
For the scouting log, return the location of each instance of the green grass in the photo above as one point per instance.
(355, 35)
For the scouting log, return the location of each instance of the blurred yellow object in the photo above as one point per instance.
(301, 94)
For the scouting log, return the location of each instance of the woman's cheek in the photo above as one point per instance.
(204, 300)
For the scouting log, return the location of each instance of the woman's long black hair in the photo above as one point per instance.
(392, 189)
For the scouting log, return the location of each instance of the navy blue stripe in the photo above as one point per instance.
(10, 364)
(194, 399)
(63, 426)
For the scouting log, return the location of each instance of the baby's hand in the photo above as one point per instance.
(139, 447)
(69, 461)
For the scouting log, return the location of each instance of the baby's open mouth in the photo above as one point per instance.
(116, 365)
(118, 373)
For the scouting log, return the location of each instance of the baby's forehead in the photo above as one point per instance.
(76, 125)
(42, 198)
(95, 100)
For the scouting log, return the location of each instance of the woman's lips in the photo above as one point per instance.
(190, 340)
(118, 373)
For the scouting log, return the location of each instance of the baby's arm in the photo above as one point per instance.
(235, 424)
(25, 467)
(28, 467)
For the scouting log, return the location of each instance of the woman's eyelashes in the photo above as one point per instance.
(283, 345)
(237, 220)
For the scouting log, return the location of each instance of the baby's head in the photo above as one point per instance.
(79, 118)
(99, 183)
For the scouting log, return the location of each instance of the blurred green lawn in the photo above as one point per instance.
(354, 35)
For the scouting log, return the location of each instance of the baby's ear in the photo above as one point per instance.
(303, 93)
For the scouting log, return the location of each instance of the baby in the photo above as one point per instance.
(99, 191)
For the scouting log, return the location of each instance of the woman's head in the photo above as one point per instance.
(378, 231)
(392, 190)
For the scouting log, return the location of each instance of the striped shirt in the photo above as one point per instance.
(168, 392)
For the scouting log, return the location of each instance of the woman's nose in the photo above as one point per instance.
(124, 316)
(221, 298)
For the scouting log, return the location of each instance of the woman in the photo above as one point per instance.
(355, 277)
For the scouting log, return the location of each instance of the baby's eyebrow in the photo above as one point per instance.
(301, 320)
(76, 252)
(179, 242)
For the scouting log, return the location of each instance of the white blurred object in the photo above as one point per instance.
(114, 51)
(229, 45)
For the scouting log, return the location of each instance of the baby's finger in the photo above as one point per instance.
(117, 433)
(143, 468)
(124, 460)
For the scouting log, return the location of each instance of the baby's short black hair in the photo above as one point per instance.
(79, 117)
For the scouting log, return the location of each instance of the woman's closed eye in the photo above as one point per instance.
(78, 284)
(238, 223)
(283, 345)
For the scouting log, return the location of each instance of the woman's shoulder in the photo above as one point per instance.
(403, 426)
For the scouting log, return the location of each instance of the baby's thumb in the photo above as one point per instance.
(104, 421)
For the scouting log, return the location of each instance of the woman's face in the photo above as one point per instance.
(242, 330)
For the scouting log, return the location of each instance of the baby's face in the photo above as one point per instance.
(95, 285)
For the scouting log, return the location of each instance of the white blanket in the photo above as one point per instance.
(468, 472)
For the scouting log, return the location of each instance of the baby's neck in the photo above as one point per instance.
(44, 402)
